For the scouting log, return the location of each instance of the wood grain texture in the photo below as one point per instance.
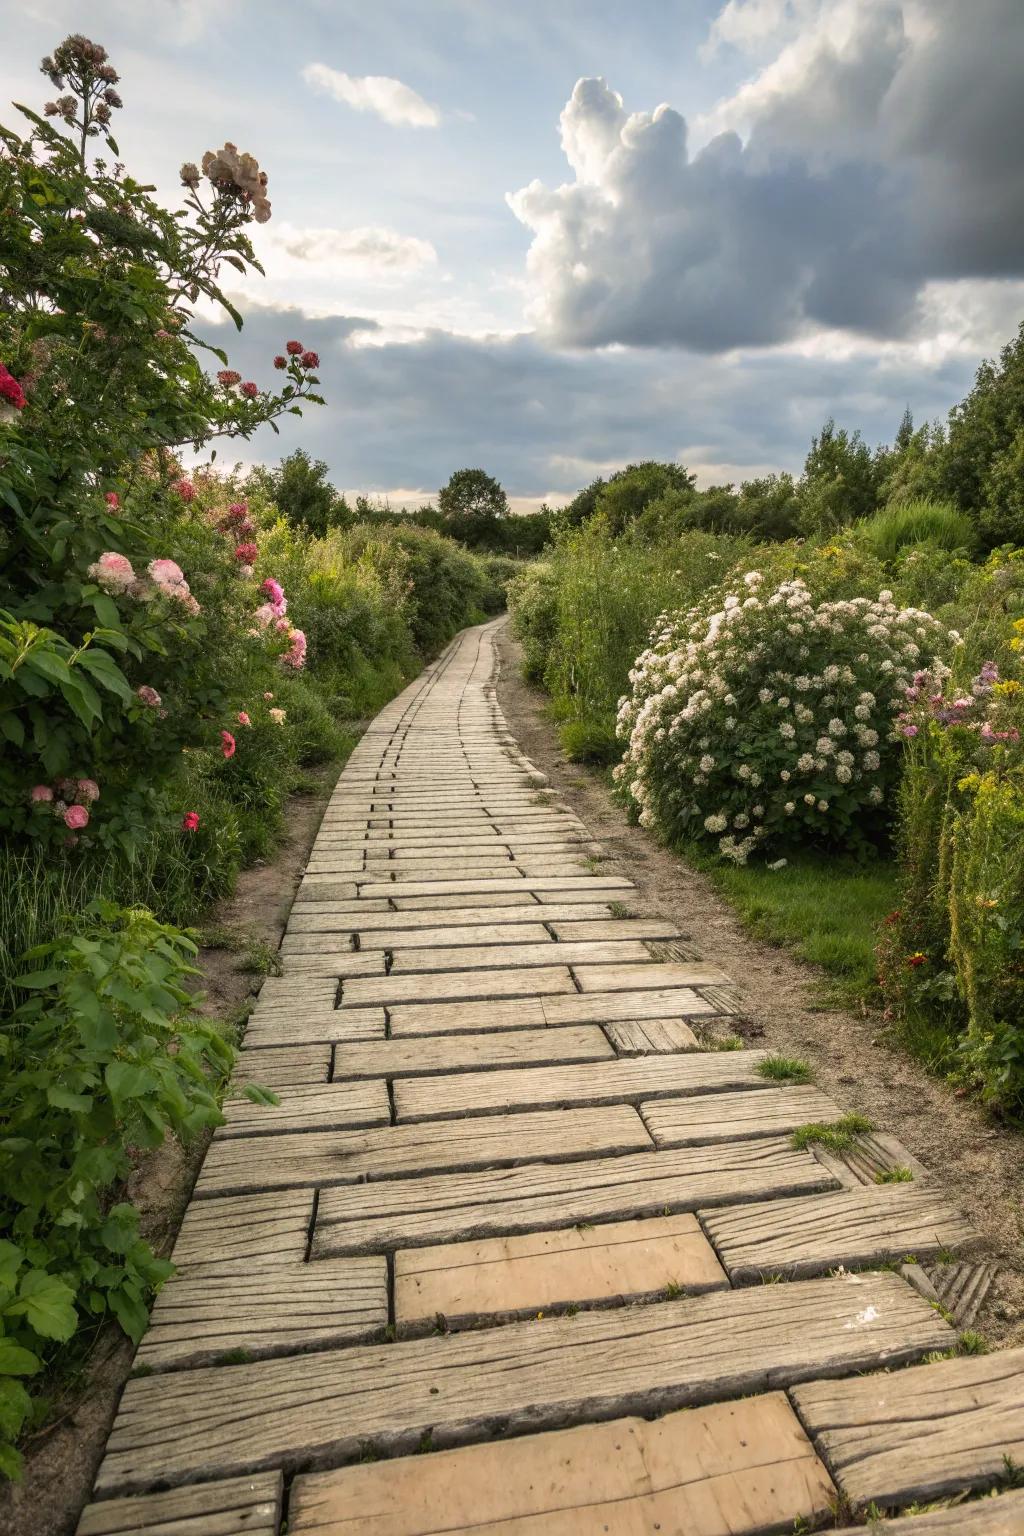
(645, 1359)
(471, 1053)
(301, 1026)
(320, 1107)
(262, 1229)
(526, 1012)
(494, 956)
(858, 1227)
(238, 1506)
(500, 1278)
(728, 1470)
(1000, 1514)
(283, 1066)
(242, 1164)
(732, 1116)
(920, 1434)
(601, 1082)
(374, 926)
(651, 1037)
(449, 1207)
(281, 1310)
(457, 986)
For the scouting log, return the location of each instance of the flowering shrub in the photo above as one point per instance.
(117, 616)
(764, 719)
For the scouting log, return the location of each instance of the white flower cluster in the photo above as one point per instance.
(770, 715)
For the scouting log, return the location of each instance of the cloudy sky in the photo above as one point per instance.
(551, 237)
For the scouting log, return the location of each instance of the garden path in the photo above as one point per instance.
(515, 1208)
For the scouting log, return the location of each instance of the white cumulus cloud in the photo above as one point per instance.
(390, 99)
(871, 155)
(368, 249)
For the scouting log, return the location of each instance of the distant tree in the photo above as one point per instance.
(984, 452)
(305, 496)
(840, 482)
(769, 507)
(472, 494)
(628, 492)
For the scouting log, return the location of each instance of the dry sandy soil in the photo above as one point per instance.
(61, 1460)
(980, 1165)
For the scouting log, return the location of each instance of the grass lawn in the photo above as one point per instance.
(826, 909)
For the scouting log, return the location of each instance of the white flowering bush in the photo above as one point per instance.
(766, 719)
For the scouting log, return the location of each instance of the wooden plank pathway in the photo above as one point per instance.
(509, 1210)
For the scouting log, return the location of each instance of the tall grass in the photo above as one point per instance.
(903, 525)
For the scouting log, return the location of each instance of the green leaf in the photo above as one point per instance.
(258, 1095)
(11, 1464)
(48, 1304)
(121, 1228)
(106, 671)
(12, 729)
(131, 1313)
(15, 1360)
(63, 1098)
(15, 1407)
(105, 610)
(49, 665)
(11, 1258)
(127, 1081)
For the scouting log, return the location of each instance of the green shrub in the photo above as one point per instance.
(532, 600)
(105, 1055)
(903, 525)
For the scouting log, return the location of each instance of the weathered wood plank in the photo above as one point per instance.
(733, 1116)
(238, 1506)
(300, 1026)
(920, 1434)
(471, 1053)
(283, 1065)
(616, 928)
(402, 939)
(527, 1012)
(321, 1107)
(651, 1037)
(284, 1310)
(647, 974)
(451, 1207)
(1000, 1514)
(500, 1278)
(483, 887)
(620, 1081)
(796, 1238)
(496, 956)
(732, 1469)
(242, 1164)
(456, 986)
(252, 1229)
(645, 1359)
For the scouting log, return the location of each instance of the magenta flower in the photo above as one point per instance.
(11, 391)
(227, 743)
(246, 553)
(41, 793)
(190, 821)
(273, 589)
(76, 817)
(238, 511)
(113, 500)
(908, 730)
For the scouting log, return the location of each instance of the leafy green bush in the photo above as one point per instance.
(532, 602)
(104, 1055)
(763, 719)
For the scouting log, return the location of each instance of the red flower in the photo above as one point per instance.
(246, 554)
(311, 360)
(250, 390)
(280, 362)
(893, 918)
(190, 821)
(227, 743)
(185, 489)
(238, 511)
(11, 390)
(294, 348)
(228, 376)
(113, 500)
(915, 960)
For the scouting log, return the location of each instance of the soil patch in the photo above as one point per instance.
(61, 1460)
(980, 1165)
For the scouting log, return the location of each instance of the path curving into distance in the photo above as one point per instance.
(514, 1209)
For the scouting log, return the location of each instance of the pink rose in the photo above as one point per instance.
(167, 573)
(227, 743)
(41, 793)
(243, 718)
(311, 360)
(273, 589)
(88, 790)
(294, 348)
(149, 696)
(76, 817)
(280, 362)
(112, 500)
(246, 554)
(185, 489)
(190, 821)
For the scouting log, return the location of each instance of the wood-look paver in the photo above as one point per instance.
(505, 1196)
